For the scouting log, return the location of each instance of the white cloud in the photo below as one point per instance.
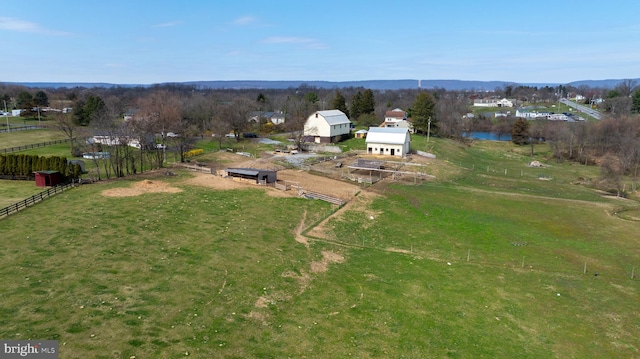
(11, 24)
(244, 20)
(308, 42)
(168, 24)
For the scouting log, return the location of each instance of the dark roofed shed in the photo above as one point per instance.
(259, 175)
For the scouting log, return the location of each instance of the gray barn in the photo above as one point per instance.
(258, 175)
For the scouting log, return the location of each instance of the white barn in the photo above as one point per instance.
(389, 141)
(327, 127)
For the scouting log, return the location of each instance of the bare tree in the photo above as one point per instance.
(450, 110)
(200, 110)
(236, 115)
(625, 87)
(162, 113)
(65, 123)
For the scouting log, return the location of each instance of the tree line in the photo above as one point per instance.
(193, 112)
(24, 166)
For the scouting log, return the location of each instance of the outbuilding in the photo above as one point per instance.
(361, 134)
(388, 141)
(260, 176)
(48, 178)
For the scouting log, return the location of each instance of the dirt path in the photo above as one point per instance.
(360, 203)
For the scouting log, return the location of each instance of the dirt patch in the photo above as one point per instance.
(262, 302)
(221, 183)
(142, 187)
(298, 235)
(320, 184)
(328, 257)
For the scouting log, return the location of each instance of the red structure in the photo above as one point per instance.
(48, 178)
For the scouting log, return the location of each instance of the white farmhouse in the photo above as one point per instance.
(395, 115)
(493, 103)
(327, 127)
(390, 141)
(397, 118)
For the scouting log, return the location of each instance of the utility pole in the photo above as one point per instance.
(428, 129)
(5, 115)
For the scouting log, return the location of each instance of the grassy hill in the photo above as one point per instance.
(494, 259)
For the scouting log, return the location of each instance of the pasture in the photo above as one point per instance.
(29, 137)
(481, 263)
(15, 191)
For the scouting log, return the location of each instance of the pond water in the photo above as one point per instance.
(487, 136)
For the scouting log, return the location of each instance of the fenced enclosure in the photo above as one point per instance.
(35, 145)
(18, 206)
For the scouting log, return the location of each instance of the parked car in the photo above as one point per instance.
(249, 135)
(230, 135)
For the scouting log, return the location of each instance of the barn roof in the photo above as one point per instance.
(334, 117)
(248, 171)
(387, 135)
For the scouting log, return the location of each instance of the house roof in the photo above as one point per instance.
(387, 135)
(334, 117)
(396, 113)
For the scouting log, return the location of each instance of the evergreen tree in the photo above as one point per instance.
(41, 99)
(24, 100)
(311, 97)
(423, 113)
(520, 132)
(635, 102)
(87, 110)
(340, 103)
(355, 105)
(368, 103)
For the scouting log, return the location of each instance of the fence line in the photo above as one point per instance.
(22, 128)
(39, 197)
(323, 197)
(35, 145)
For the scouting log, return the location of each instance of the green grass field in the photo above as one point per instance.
(29, 137)
(15, 191)
(477, 264)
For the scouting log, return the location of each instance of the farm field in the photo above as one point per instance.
(28, 137)
(15, 191)
(493, 259)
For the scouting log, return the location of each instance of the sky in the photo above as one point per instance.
(147, 42)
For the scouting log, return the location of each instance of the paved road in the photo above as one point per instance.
(586, 109)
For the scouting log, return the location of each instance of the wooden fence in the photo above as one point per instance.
(21, 128)
(323, 197)
(14, 208)
(35, 145)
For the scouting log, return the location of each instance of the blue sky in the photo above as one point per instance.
(145, 42)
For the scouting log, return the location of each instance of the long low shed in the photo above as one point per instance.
(259, 175)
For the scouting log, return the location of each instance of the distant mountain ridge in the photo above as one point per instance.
(369, 84)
